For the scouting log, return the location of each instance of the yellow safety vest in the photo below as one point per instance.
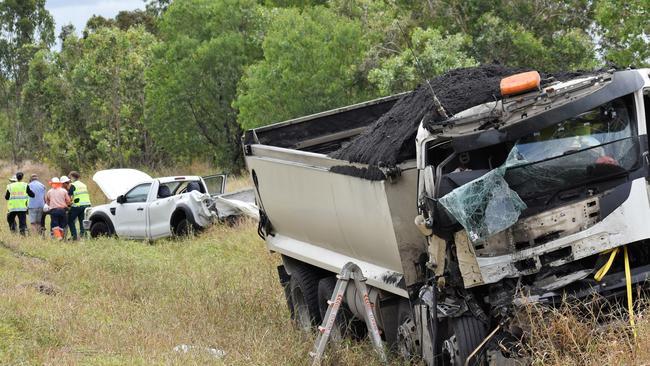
(18, 197)
(80, 196)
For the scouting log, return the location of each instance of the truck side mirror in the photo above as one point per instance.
(121, 199)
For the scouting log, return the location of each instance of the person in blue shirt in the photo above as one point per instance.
(36, 203)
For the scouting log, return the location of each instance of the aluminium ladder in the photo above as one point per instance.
(350, 271)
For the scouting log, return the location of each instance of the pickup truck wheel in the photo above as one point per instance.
(468, 333)
(99, 228)
(183, 228)
(303, 291)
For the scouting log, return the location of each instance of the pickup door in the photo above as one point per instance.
(131, 216)
(215, 184)
(160, 210)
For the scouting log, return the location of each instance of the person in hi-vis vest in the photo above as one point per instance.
(80, 202)
(17, 197)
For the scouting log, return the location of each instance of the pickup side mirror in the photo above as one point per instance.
(121, 199)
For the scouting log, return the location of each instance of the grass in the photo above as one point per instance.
(120, 302)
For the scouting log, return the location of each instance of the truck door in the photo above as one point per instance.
(215, 184)
(131, 214)
(160, 210)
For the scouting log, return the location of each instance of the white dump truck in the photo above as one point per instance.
(509, 201)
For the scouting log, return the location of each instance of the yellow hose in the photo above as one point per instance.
(604, 269)
(628, 280)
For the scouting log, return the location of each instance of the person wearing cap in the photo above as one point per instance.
(36, 203)
(57, 200)
(80, 202)
(17, 195)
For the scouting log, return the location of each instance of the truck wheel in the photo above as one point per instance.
(344, 315)
(183, 228)
(99, 228)
(468, 333)
(303, 291)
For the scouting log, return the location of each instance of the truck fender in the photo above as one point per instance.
(186, 211)
(103, 217)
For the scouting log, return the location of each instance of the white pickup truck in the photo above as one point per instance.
(143, 207)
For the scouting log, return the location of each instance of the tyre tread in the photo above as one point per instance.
(307, 278)
(470, 332)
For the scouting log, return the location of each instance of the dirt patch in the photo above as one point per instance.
(389, 141)
(46, 288)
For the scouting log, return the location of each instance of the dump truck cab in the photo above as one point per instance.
(525, 192)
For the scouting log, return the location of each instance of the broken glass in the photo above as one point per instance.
(486, 205)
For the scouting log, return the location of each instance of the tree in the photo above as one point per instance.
(25, 27)
(293, 3)
(309, 65)
(625, 31)
(66, 31)
(205, 47)
(110, 78)
(97, 22)
(431, 54)
(87, 103)
(126, 19)
(548, 35)
(514, 44)
(157, 7)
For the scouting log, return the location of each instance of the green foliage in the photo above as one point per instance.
(86, 104)
(546, 35)
(178, 81)
(309, 65)
(429, 54)
(513, 44)
(293, 3)
(25, 27)
(193, 81)
(625, 29)
(124, 20)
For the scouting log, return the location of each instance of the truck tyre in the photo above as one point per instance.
(303, 291)
(468, 333)
(99, 228)
(344, 315)
(182, 228)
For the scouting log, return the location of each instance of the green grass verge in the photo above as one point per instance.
(117, 302)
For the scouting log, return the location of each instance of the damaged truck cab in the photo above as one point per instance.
(509, 201)
(518, 197)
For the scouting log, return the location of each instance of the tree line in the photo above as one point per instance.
(180, 80)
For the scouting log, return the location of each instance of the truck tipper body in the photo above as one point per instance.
(510, 200)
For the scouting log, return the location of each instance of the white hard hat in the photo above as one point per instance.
(55, 180)
(65, 179)
(13, 179)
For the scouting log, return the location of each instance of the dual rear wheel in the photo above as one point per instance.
(309, 289)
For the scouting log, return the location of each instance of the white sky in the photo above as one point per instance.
(78, 12)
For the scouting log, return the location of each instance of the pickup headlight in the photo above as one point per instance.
(87, 213)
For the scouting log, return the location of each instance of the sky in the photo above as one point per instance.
(77, 12)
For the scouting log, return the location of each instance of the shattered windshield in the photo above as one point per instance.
(595, 145)
(591, 146)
